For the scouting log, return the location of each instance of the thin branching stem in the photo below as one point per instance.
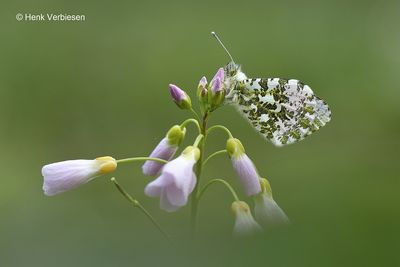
(191, 120)
(219, 127)
(219, 152)
(141, 159)
(137, 204)
(222, 181)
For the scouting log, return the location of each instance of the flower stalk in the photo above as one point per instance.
(137, 204)
(199, 166)
(221, 181)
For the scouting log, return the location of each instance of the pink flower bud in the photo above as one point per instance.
(217, 83)
(181, 99)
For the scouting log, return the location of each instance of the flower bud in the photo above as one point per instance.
(245, 225)
(218, 80)
(181, 99)
(217, 96)
(202, 93)
(243, 166)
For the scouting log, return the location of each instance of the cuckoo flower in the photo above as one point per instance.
(267, 211)
(166, 149)
(181, 99)
(245, 225)
(176, 182)
(243, 166)
(66, 175)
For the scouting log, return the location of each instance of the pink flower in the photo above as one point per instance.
(244, 167)
(176, 182)
(66, 175)
(267, 211)
(245, 225)
(166, 149)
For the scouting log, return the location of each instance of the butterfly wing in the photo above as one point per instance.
(283, 111)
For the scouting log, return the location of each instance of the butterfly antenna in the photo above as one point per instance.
(223, 46)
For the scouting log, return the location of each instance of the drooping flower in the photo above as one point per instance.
(181, 99)
(66, 175)
(244, 167)
(176, 182)
(166, 149)
(267, 211)
(245, 225)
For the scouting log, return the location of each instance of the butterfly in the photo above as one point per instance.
(283, 111)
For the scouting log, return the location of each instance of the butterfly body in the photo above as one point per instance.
(284, 111)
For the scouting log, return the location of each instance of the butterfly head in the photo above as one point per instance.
(233, 74)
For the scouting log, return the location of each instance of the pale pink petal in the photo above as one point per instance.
(247, 173)
(175, 183)
(63, 176)
(154, 188)
(166, 205)
(163, 151)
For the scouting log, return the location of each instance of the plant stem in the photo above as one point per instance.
(199, 165)
(221, 127)
(191, 120)
(141, 159)
(222, 181)
(137, 204)
(195, 113)
(219, 152)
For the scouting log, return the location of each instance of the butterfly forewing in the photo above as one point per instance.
(283, 111)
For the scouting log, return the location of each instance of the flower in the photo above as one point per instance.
(245, 225)
(166, 149)
(176, 182)
(66, 175)
(181, 99)
(267, 211)
(243, 166)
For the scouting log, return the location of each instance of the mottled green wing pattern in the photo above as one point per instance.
(283, 111)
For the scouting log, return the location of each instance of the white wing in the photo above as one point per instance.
(283, 111)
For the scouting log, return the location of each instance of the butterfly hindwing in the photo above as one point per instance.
(283, 111)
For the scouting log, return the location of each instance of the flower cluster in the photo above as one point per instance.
(177, 179)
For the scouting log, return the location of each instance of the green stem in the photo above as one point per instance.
(191, 120)
(195, 113)
(137, 204)
(141, 159)
(199, 138)
(199, 165)
(222, 181)
(221, 127)
(219, 152)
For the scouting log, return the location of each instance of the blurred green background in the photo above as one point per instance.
(86, 89)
